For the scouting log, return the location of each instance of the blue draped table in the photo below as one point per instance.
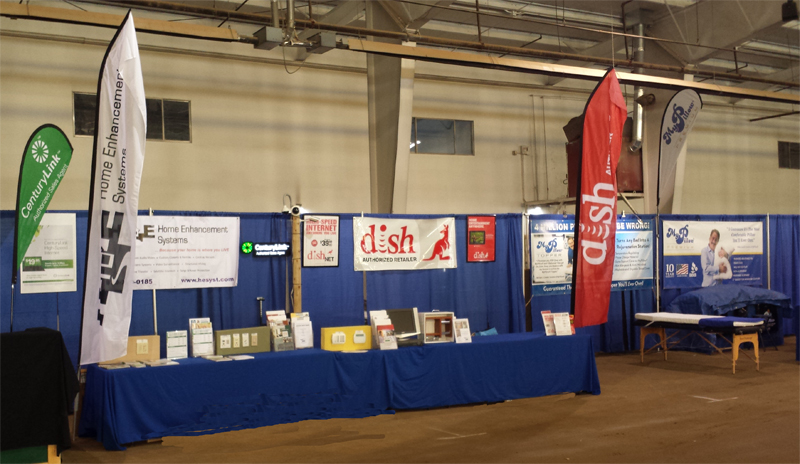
(200, 396)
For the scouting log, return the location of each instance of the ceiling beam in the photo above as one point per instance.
(790, 74)
(26, 11)
(470, 59)
(343, 14)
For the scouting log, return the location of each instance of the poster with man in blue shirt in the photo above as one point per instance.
(734, 253)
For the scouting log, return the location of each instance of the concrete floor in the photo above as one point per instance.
(688, 409)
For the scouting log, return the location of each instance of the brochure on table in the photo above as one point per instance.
(462, 332)
(177, 344)
(202, 336)
(302, 331)
(562, 324)
(282, 339)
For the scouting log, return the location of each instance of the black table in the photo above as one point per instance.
(38, 386)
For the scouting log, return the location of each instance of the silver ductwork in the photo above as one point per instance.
(638, 114)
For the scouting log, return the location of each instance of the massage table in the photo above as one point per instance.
(741, 330)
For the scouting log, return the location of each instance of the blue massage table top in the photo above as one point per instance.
(721, 299)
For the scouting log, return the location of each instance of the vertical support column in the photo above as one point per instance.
(403, 152)
(383, 92)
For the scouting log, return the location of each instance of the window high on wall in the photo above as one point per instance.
(788, 155)
(166, 119)
(441, 136)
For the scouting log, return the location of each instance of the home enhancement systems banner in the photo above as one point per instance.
(596, 210)
(403, 244)
(676, 124)
(552, 255)
(480, 239)
(707, 253)
(49, 264)
(320, 241)
(44, 163)
(114, 199)
(186, 252)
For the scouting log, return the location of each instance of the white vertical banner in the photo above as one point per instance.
(676, 124)
(116, 173)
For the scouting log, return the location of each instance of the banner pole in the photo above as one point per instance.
(657, 270)
(155, 310)
(12, 306)
(769, 262)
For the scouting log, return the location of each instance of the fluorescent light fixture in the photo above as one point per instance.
(536, 210)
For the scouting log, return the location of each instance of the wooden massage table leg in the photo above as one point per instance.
(662, 334)
(744, 338)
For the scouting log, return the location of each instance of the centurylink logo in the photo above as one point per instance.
(40, 151)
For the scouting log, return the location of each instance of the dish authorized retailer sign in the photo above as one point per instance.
(382, 244)
(480, 239)
(321, 241)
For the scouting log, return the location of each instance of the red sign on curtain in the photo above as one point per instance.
(596, 211)
(480, 239)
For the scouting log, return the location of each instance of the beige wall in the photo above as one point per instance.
(259, 132)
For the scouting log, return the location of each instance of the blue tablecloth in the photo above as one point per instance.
(200, 396)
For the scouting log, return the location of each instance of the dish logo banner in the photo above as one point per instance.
(595, 227)
(404, 244)
(706, 254)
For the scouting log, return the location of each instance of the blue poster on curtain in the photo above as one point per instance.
(709, 253)
(552, 248)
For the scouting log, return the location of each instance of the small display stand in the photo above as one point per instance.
(177, 344)
(386, 338)
(437, 327)
(463, 335)
(282, 339)
(242, 341)
(549, 325)
(140, 348)
(302, 331)
(202, 336)
(353, 338)
(562, 324)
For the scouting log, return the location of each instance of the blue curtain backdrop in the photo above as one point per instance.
(227, 307)
(334, 296)
(784, 260)
(616, 335)
(488, 294)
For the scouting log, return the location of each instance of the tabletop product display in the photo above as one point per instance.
(199, 396)
(39, 384)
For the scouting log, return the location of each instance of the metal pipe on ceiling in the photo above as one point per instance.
(360, 32)
(451, 43)
(638, 91)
